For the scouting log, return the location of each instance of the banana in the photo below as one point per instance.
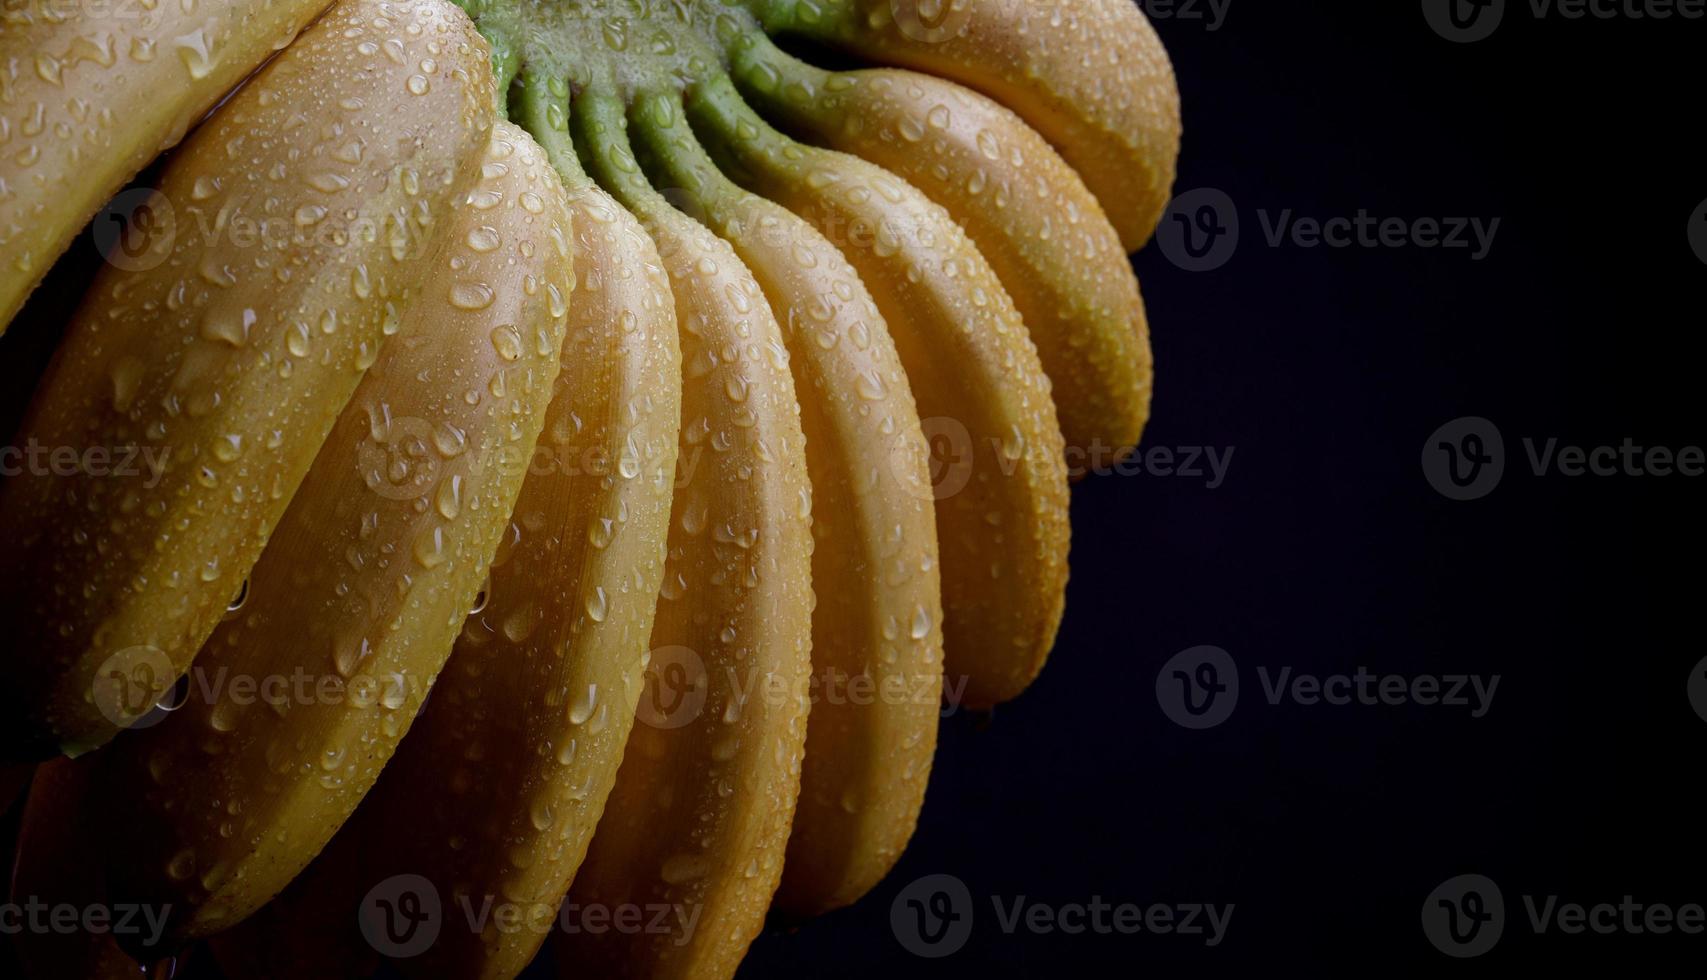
(301, 695)
(91, 92)
(877, 627)
(1090, 75)
(1030, 215)
(206, 373)
(57, 869)
(515, 755)
(699, 818)
(1002, 497)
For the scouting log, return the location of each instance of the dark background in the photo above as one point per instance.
(1326, 549)
(1325, 371)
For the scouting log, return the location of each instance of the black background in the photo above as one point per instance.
(1324, 371)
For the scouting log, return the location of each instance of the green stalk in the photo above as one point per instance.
(600, 126)
(675, 154)
(545, 115)
(766, 70)
(745, 147)
(820, 18)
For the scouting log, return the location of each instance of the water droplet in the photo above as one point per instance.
(507, 343)
(471, 295)
(921, 623)
(597, 604)
(582, 708)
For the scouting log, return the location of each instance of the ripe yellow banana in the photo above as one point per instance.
(1001, 486)
(494, 795)
(1030, 215)
(91, 92)
(877, 626)
(196, 383)
(300, 696)
(57, 869)
(1090, 75)
(698, 821)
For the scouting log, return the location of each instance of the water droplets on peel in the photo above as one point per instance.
(484, 239)
(507, 342)
(447, 498)
(195, 51)
(921, 623)
(582, 708)
(471, 295)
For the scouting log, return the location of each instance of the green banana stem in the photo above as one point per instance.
(600, 125)
(671, 151)
(506, 59)
(545, 115)
(745, 147)
(819, 18)
(768, 71)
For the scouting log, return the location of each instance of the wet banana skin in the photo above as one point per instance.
(698, 821)
(494, 796)
(1028, 212)
(91, 92)
(876, 629)
(355, 604)
(1001, 488)
(1090, 75)
(222, 350)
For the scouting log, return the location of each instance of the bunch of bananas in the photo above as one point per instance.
(512, 353)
